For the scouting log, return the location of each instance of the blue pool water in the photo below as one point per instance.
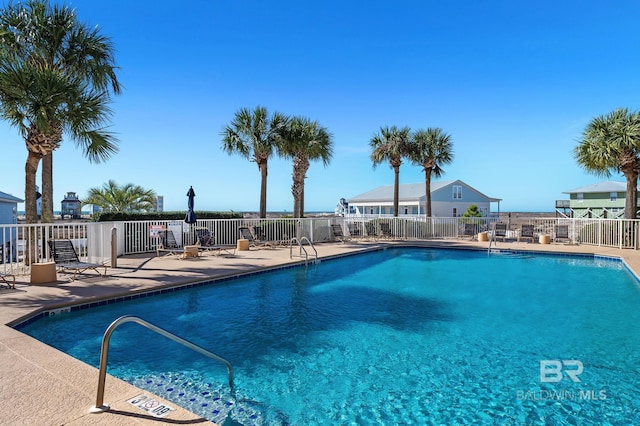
(399, 336)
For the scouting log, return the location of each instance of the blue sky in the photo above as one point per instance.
(513, 83)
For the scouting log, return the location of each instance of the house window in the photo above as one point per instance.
(455, 212)
(613, 196)
(457, 192)
(580, 197)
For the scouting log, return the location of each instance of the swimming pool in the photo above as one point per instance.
(411, 336)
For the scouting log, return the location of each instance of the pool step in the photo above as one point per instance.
(510, 254)
(211, 401)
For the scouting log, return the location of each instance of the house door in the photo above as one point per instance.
(455, 212)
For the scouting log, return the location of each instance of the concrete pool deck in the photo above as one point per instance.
(40, 385)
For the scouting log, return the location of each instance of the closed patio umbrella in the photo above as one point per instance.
(190, 218)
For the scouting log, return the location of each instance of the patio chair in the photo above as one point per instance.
(337, 234)
(254, 241)
(527, 231)
(10, 284)
(561, 233)
(500, 231)
(66, 259)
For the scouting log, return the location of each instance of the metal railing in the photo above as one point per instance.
(100, 406)
(22, 245)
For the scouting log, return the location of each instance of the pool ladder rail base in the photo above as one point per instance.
(100, 406)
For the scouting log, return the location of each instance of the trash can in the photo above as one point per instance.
(545, 239)
(483, 236)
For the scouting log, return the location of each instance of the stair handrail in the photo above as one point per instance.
(100, 406)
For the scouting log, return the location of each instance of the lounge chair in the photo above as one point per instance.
(385, 230)
(10, 284)
(66, 259)
(167, 243)
(468, 231)
(207, 242)
(254, 240)
(337, 234)
(355, 230)
(371, 230)
(527, 231)
(500, 231)
(561, 233)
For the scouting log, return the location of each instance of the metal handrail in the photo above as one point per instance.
(300, 242)
(104, 353)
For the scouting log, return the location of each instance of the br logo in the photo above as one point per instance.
(551, 370)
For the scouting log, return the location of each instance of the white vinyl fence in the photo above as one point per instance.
(23, 245)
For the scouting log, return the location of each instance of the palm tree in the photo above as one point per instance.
(127, 198)
(303, 140)
(391, 144)
(611, 143)
(254, 135)
(56, 78)
(430, 149)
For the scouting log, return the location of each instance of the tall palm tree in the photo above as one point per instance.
(303, 141)
(391, 144)
(56, 77)
(254, 135)
(611, 143)
(126, 198)
(430, 149)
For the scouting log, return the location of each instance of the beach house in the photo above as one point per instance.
(9, 208)
(599, 200)
(71, 206)
(448, 199)
(8, 234)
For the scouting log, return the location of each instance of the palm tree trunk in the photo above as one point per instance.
(30, 200)
(302, 202)
(427, 183)
(396, 190)
(263, 189)
(31, 168)
(47, 188)
(296, 191)
(631, 200)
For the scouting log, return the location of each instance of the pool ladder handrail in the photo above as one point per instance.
(300, 243)
(100, 406)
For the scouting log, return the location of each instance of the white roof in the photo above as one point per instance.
(406, 192)
(607, 186)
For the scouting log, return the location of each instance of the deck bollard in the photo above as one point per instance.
(114, 247)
